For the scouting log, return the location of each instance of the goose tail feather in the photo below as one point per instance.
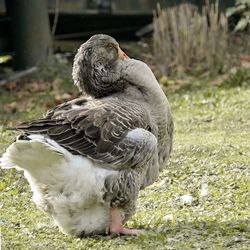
(33, 153)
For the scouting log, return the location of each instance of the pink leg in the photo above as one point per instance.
(115, 224)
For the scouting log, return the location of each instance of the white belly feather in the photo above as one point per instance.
(67, 187)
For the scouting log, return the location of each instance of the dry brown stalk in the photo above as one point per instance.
(187, 38)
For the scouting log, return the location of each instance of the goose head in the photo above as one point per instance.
(98, 66)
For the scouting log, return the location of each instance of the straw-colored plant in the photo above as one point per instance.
(188, 39)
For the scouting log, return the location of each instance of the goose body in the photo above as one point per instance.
(67, 187)
(87, 159)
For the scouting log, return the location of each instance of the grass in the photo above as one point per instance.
(202, 198)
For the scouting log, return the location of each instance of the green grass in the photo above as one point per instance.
(211, 152)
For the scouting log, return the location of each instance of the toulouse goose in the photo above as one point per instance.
(87, 159)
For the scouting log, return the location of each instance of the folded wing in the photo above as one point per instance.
(110, 132)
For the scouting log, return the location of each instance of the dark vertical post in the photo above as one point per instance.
(30, 32)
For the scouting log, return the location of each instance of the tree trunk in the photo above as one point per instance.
(30, 32)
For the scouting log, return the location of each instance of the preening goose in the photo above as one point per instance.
(87, 159)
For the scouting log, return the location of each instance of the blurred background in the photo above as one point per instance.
(32, 30)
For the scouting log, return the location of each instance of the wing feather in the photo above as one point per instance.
(96, 128)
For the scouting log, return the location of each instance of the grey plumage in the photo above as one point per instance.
(124, 122)
(96, 70)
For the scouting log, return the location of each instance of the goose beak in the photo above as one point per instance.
(121, 54)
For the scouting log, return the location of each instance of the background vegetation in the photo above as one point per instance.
(187, 39)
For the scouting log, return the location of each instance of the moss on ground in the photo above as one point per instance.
(202, 198)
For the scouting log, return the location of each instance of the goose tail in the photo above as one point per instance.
(33, 152)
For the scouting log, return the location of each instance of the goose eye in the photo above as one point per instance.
(110, 45)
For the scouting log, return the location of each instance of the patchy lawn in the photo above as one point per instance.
(202, 198)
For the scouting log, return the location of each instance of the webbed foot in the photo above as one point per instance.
(115, 225)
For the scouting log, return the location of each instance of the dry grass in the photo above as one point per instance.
(188, 39)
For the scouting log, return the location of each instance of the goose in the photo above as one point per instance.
(87, 159)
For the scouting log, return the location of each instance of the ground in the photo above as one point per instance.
(202, 198)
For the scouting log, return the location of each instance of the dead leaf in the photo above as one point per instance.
(10, 107)
(48, 104)
(245, 58)
(56, 87)
(11, 86)
(63, 97)
(36, 87)
(245, 61)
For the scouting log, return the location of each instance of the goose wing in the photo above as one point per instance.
(112, 132)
